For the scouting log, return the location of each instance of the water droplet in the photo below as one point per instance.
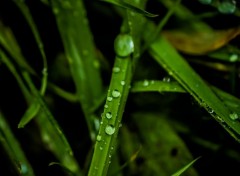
(108, 115)
(124, 45)
(227, 7)
(116, 69)
(105, 106)
(233, 58)
(152, 82)
(122, 83)
(101, 148)
(109, 98)
(110, 156)
(120, 125)
(166, 79)
(233, 116)
(99, 137)
(112, 148)
(145, 83)
(110, 129)
(101, 122)
(205, 1)
(116, 93)
(24, 169)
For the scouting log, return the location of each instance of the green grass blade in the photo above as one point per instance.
(9, 43)
(177, 67)
(111, 117)
(130, 7)
(156, 86)
(179, 172)
(13, 149)
(80, 51)
(26, 13)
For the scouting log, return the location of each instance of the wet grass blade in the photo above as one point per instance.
(177, 67)
(127, 47)
(178, 173)
(130, 7)
(13, 149)
(26, 13)
(80, 52)
(156, 86)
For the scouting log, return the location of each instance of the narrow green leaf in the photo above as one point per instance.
(156, 86)
(30, 113)
(80, 52)
(13, 149)
(130, 7)
(182, 170)
(177, 67)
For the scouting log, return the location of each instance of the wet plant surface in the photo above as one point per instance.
(119, 87)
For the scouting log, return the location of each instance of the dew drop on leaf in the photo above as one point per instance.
(109, 98)
(108, 115)
(227, 7)
(116, 69)
(124, 45)
(116, 93)
(233, 116)
(99, 138)
(110, 129)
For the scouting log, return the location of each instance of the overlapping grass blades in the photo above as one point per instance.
(80, 52)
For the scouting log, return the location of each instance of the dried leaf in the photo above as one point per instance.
(200, 42)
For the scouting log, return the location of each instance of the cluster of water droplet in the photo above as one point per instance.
(223, 6)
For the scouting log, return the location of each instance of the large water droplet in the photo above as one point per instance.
(124, 45)
(227, 6)
(110, 129)
(108, 115)
(116, 93)
(233, 116)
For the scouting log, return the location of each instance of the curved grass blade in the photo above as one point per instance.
(156, 86)
(179, 172)
(26, 13)
(13, 149)
(130, 7)
(177, 67)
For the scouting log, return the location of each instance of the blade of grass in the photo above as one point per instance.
(13, 149)
(177, 67)
(51, 133)
(156, 86)
(26, 13)
(182, 170)
(80, 51)
(118, 91)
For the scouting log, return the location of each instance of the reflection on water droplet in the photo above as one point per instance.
(124, 45)
(108, 115)
(145, 83)
(99, 137)
(116, 69)
(109, 98)
(227, 6)
(233, 116)
(116, 93)
(110, 129)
